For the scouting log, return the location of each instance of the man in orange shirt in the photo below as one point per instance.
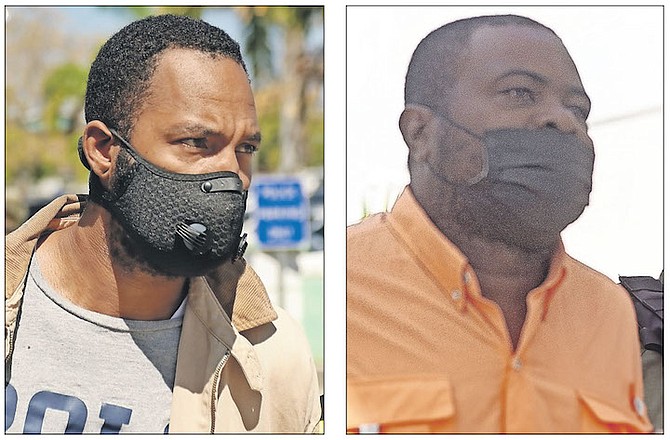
(464, 313)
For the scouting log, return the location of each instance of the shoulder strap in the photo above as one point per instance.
(647, 295)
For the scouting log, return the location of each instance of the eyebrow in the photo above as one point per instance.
(205, 131)
(535, 76)
(256, 137)
(190, 127)
(542, 80)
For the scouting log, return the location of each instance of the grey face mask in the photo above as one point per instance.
(182, 224)
(542, 176)
(533, 183)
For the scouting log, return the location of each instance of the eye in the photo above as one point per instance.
(194, 142)
(246, 148)
(521, 94)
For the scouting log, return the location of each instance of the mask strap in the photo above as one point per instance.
(485, 156)
(133, 152)
(80, 150)
(82, 156)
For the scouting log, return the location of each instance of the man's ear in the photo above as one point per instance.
(417, 124)
(96, 146)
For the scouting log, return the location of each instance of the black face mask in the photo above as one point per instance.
(532, 185)
(180, 224)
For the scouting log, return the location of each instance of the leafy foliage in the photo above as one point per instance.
(64, 91)
(42, 144)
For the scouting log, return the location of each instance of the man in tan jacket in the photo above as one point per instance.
(131, 310)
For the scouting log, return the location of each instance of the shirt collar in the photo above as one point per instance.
(558, 269)
(439, 257)
(237, 287)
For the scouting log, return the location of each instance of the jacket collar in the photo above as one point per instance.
(204, 303)
(235, 286)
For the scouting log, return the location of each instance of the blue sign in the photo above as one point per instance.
(282, 213)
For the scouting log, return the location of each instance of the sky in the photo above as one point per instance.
(96, 23)
(618, 52)
(88, 20)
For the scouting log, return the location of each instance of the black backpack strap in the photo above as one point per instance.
(647, 295)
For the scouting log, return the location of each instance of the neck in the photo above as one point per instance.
(490, 258)
(506, 273)
(78, 264)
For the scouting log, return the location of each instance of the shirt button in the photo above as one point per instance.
(456, 295)
(516, 364)
(639, 406)
(467, 277)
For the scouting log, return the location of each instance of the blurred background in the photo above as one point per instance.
(618, 51)
(48, 53)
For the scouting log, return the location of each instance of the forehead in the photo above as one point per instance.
(194, 69)
(190, 88)
(186, 77)
(493, 51)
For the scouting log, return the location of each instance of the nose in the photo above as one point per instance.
(225, 159)
(559, 117)
(228, 159)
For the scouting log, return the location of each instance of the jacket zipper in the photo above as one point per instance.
(215, 388)
(10, 335)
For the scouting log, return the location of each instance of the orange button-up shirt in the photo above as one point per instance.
(426, 352)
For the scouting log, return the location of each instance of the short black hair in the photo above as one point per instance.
(121, 73)
(432, 68)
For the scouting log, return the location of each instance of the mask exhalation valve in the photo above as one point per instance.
(194, 237)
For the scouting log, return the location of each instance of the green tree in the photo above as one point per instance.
(298, 81)
(45, 82)
(64, 91)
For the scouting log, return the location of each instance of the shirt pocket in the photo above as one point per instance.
(396, 404)
(599, 415)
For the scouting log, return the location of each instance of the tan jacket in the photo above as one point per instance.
(254, 374)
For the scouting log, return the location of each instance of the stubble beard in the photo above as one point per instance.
(478, 213)
(131, 254)
(123, 249)
(126, 255)
(474, 208)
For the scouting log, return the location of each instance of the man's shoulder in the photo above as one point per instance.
(288, 326)
(597, 288)
(587, 275)
(284, 334)
(283, 348)
(370, 244)
(369, 234)
(372, 224)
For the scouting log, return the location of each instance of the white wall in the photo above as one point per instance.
(618, 51)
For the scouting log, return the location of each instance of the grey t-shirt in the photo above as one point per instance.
(76, 371)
